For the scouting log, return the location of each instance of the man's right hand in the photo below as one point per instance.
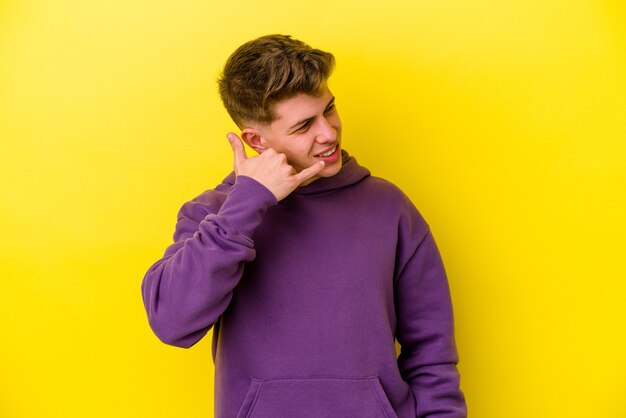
(270, 169)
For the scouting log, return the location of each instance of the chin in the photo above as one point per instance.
(331, 170)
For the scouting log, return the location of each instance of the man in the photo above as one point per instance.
(306, 267)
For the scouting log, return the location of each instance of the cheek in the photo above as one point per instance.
(299, 152)
(335, 122)
(303, 146)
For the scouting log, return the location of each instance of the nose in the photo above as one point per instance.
(326, 132)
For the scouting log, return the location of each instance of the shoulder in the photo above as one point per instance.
(386, 191)
(396, 203)
(385, 187)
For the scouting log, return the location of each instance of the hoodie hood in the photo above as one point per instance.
(351, 173)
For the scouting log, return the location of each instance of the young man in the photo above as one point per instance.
(306, 267)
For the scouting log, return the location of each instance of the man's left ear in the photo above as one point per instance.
(252, 137)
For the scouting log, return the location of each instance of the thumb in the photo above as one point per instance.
(238, 150)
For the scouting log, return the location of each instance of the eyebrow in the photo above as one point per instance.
(298, 124)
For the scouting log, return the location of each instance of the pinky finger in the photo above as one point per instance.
(309, 172)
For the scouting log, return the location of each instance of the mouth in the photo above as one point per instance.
(329, 156)
(327, 153)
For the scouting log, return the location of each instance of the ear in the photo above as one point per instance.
(252, 137)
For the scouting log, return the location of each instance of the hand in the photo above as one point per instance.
(270, 169)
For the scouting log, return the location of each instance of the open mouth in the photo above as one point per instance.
(331, 156)
(328, 153)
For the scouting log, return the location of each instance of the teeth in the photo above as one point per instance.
(327, 154)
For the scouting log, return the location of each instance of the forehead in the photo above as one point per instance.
(301, 106)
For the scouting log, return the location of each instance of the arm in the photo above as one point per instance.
(425, 331)
(191, 286)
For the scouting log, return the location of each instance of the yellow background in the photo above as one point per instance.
(505, 122)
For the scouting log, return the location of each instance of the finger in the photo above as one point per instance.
(309, 172)
(237, 145)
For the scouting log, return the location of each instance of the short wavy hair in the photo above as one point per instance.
(268, 70)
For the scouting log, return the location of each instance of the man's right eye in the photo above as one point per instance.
(304, 127)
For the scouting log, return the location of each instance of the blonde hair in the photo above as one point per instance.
(268, 70)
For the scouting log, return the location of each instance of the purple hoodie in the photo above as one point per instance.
(306, 298)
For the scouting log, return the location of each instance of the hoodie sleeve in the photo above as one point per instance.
(186, 291)
(425, 329)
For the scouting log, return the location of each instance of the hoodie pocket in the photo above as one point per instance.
(327, 397)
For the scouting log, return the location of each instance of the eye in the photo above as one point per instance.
(305, 126)
(330, 108)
